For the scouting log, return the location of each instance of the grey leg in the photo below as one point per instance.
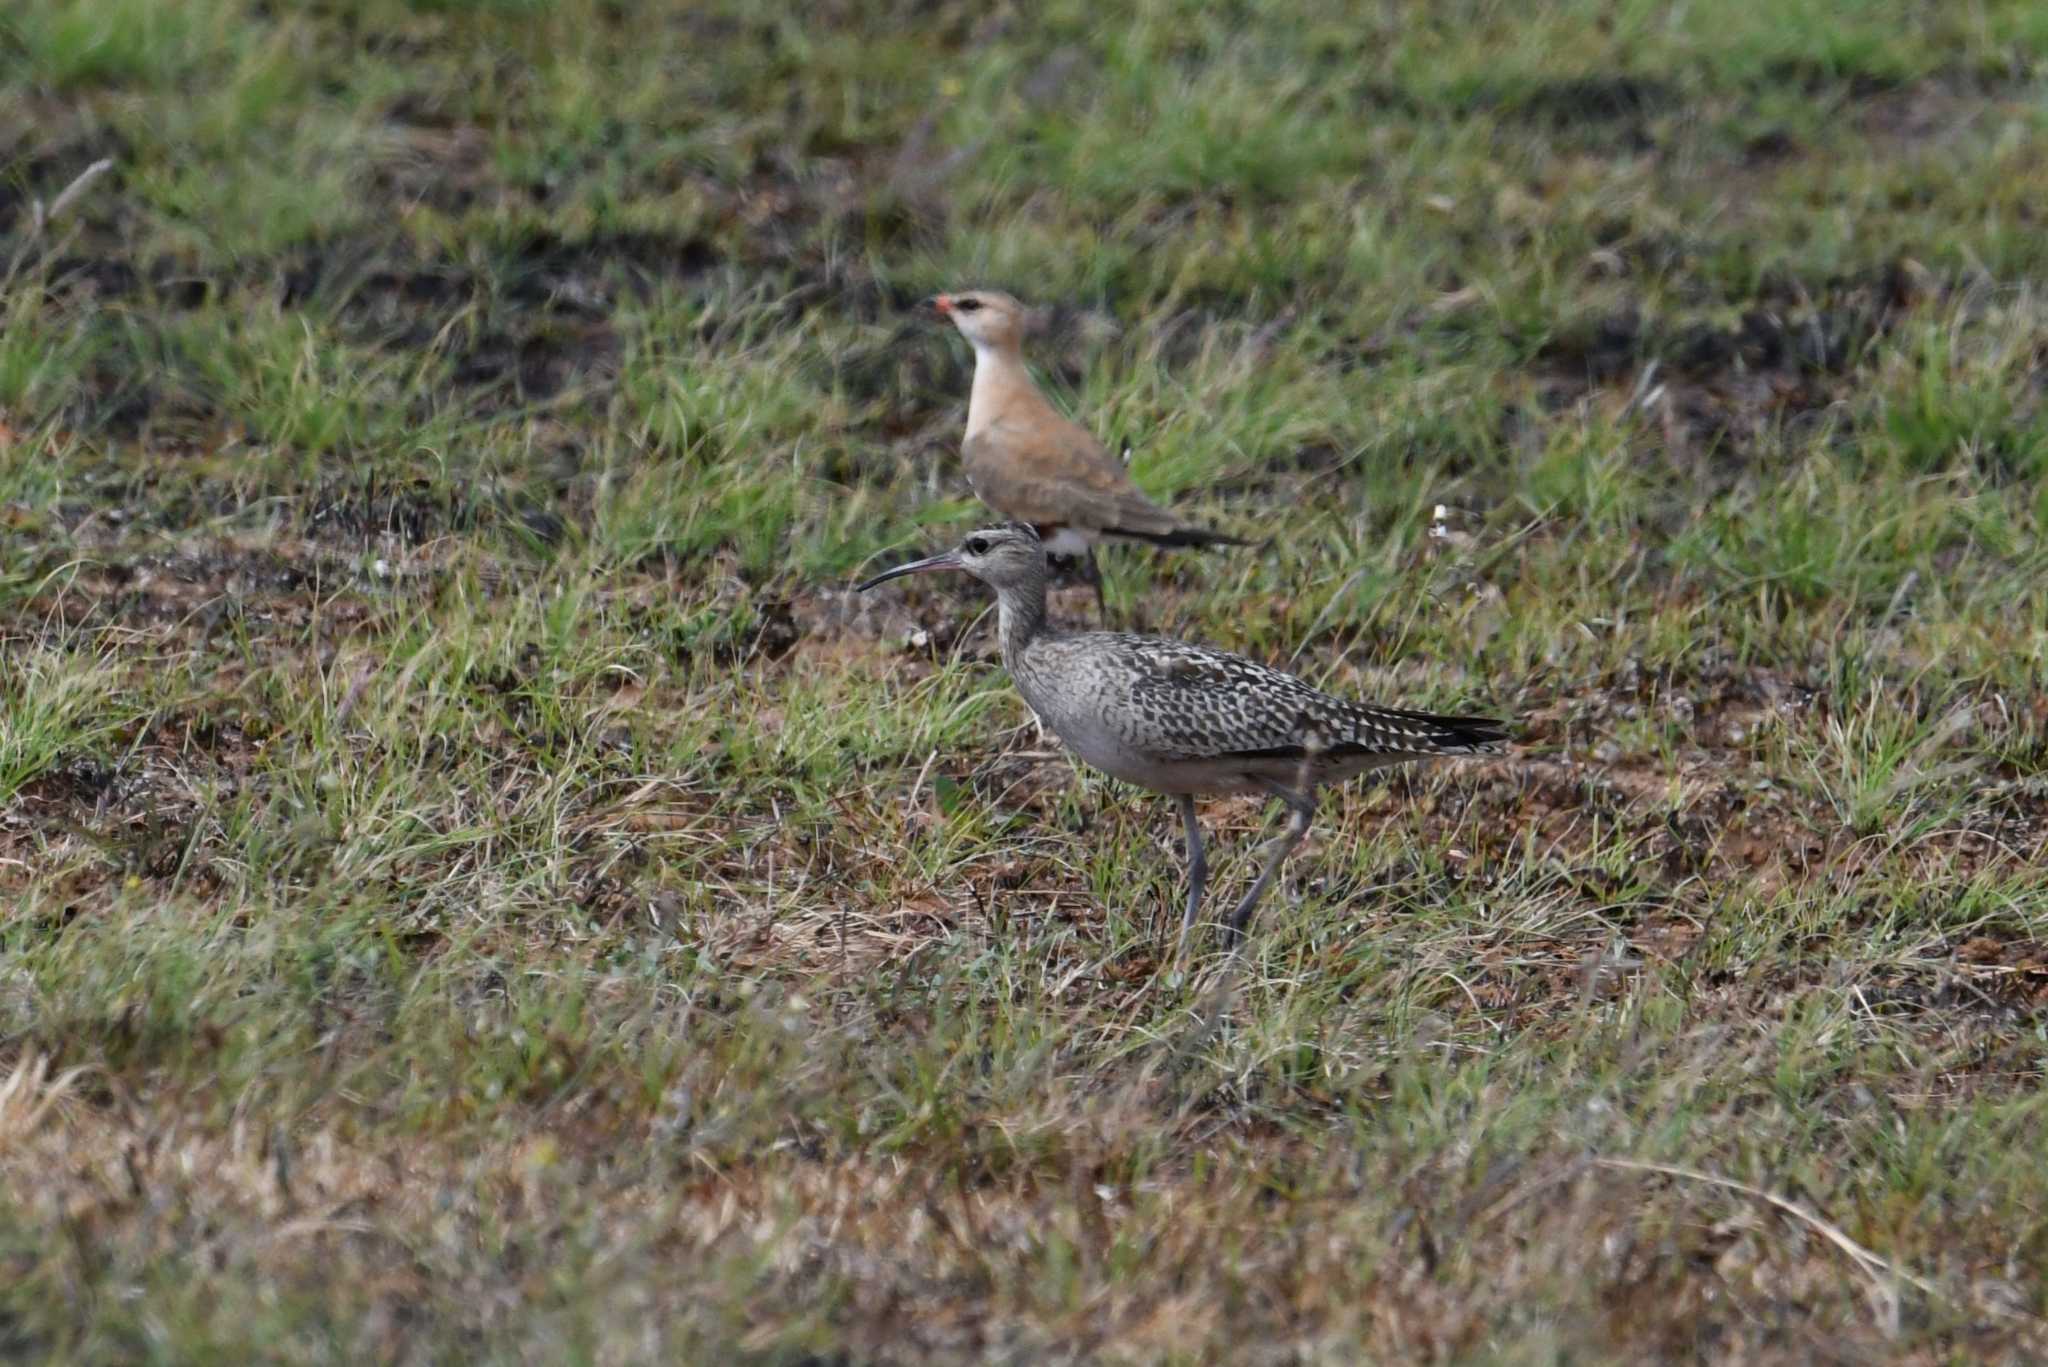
(1091, 575)
(1198, 869)
(1302, 809)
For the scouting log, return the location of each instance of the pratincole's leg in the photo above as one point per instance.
(1091, 575)
(1302, 809)
(1198, 869)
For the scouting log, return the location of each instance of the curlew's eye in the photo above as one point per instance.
(977, 545)
(967, 305)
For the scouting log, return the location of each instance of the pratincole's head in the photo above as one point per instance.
(984, 317)
(998, 556)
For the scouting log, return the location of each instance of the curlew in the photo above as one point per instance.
(1188, 720)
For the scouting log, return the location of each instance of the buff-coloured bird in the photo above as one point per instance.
(1033, 464)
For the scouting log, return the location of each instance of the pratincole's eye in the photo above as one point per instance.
(977, 546)
(967, 305)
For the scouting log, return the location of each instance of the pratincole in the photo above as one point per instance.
(1186, 719)
(1030, 463)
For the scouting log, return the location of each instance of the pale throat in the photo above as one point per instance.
(1000, 380)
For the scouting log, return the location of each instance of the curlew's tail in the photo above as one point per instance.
(1388, 735)
(1473, 735)
(1397, 730)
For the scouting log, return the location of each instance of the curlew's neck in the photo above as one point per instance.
(1001, 385)
(1020, 610)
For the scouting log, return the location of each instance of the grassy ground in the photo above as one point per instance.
(474, 884)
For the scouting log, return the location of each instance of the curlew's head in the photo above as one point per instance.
(987, 318)
(1009, 556)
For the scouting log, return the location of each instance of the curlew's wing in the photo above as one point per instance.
(1209, 704)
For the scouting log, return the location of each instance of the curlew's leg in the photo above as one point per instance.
(1198, 868)
(1302, 807)
(1091, 575)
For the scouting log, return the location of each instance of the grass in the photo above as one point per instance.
(477, 885)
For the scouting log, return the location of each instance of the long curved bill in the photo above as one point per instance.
(947, 561)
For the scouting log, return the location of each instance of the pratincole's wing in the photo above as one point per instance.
(1052, 472)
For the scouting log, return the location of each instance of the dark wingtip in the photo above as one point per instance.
(1478, 734)
(1197, 538)
(1456, 735)
(1393, 735)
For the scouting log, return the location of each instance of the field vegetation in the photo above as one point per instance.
(476, 885)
